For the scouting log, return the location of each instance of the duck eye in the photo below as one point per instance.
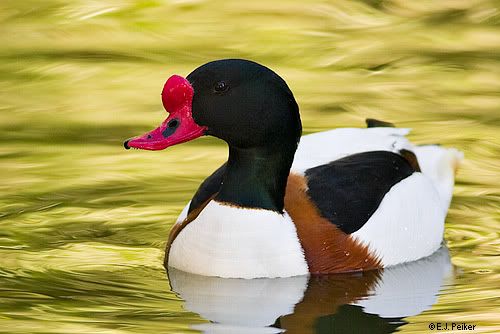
(221, 86)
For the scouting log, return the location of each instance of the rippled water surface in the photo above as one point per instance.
(84, 222)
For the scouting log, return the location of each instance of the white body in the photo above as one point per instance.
(227, 241)
(235, 242)
(408, 224)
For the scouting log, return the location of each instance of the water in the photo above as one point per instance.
(84, 222)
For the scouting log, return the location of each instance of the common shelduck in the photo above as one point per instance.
(339, 201)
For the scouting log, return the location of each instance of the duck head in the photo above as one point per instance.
(239, 101)
(248, 106)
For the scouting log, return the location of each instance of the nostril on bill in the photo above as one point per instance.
(173, 123)
(171, 127)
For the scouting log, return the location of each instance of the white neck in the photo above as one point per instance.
(228, 241)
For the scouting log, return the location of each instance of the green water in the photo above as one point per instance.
(84, 222)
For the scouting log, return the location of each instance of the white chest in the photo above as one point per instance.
(227, 241)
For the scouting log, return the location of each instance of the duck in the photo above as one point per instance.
(283, 204)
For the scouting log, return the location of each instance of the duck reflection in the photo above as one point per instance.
(368, 302)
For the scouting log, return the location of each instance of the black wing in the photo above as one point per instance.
(349, 190)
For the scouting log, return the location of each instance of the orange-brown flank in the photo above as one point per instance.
(327, 249)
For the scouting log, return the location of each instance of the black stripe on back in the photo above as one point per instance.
(349, 190)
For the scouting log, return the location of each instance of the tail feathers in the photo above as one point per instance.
(375, 123)
(440, 165)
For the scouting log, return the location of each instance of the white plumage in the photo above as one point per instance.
(323, 147)
(228, 241)
(408, 224)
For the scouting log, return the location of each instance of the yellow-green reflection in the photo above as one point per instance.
(84, 222)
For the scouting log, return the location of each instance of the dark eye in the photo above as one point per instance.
(221, 86)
